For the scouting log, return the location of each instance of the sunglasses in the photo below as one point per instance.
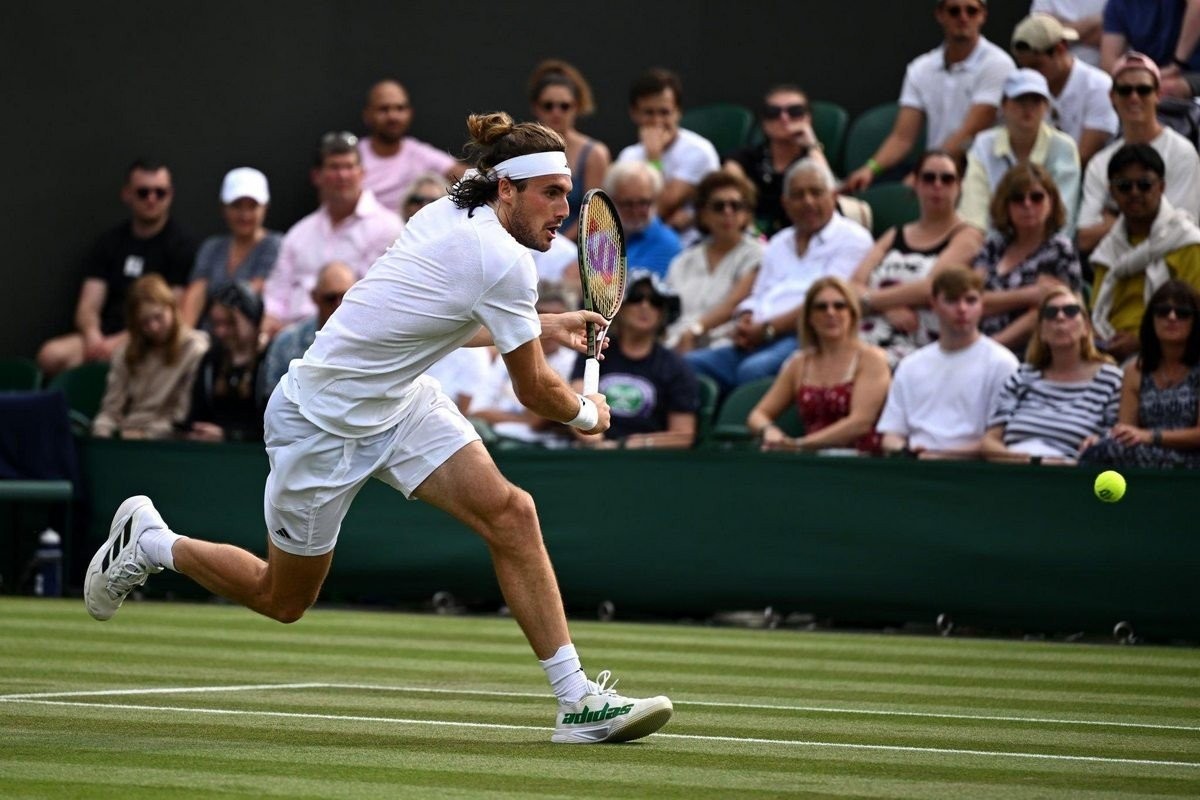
(793, 111)
(1127, 185)
(1126, 89)
(1026, 47)
(1070, 311)
(646, 297)
(831, 305)
(720, 206)
(144, 192)
(342, 140)
(551, 105)
(945, 178)
(1037, 197)
(959, 11)
(420, 200)
(1164, 310)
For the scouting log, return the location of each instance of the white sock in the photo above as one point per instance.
(156, 544)
(565, 674)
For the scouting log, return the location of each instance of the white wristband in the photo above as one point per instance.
(588, 416)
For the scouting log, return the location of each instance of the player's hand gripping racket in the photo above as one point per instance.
(602, 273)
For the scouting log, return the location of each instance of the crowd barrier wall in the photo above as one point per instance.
(874, 541)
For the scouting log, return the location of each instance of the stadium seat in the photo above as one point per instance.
(84, 388)
(891, 204)
(726, 125)
(709, 393)
(19, 375)
(830, 121)
(867, 132)
(730, 429)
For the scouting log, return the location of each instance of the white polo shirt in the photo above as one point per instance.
(689, 158)
(784, 277)
(447, 274)
(946, 93)
(1084, 103)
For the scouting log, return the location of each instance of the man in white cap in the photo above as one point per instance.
(953, 90)
(1136, 92)
(1024, 136)
(1079, 102)
(1085, 17)
(358, 406)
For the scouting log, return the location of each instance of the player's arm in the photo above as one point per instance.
(540, 389)
(568, 329)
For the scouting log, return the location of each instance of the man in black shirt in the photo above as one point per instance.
(149, 241)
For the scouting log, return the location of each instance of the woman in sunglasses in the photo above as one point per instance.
(558, 94)
(1159, 419)
(838, 382)
(894, 280)
(1025, 256)
(712, 276)
(787, 137)
(1065, 394)
(428, 187)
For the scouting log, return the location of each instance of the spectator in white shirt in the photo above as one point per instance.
(1086, 17)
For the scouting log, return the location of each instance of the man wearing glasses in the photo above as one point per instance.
(635, 188)
(149, 241)
(953, 90)
(1135, 95)
(350, 226)
(1151, 242)
(1079, 104)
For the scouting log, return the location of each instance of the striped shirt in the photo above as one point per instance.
(1059, 414)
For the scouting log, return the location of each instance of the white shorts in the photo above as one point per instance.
(315, 474)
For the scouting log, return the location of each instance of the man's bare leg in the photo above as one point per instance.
(283, 587)
(505, 517)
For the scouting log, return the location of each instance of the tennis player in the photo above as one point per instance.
(357, 406)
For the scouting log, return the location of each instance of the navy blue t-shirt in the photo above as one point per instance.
(642, 392)
(1149, 26)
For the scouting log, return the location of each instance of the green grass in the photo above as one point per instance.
(758, 713)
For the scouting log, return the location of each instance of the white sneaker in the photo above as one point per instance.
(602, 715)
(119, 566)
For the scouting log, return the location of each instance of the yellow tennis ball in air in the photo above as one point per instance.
(1110, 486)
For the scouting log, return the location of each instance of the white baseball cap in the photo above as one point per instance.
(1026, 81)
(245, 182)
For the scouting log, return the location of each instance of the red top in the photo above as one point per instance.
(821, 406)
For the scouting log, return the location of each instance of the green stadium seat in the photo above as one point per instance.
(19, 375)
(729, 429)
(867, 132)
(891, 204)
(726, 125)
(709, 394)
(830, 121)
(84, 388)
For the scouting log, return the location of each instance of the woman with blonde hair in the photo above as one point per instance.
(1066, 392)
(150, 381)
(558, 95)
(838, 382)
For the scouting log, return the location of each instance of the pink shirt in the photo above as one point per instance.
(314, 241)
(389, 177)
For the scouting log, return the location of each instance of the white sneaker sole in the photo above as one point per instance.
(655, 713)
(93, 582)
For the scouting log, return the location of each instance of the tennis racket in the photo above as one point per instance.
(602, 273)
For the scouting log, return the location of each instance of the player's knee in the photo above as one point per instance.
(515, 523)
(287, 613)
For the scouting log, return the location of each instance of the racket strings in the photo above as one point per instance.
(602, 262)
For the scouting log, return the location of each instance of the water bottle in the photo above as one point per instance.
(47, 580)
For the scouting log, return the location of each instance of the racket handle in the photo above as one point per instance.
(591, 376)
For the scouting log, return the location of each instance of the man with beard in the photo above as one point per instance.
(392, 159)
(358, 406)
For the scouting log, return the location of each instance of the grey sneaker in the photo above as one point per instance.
(602, 715)
(119, 565)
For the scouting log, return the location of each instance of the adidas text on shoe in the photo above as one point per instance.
(119, 565)
(602, 715)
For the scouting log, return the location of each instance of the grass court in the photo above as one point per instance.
(174, 700)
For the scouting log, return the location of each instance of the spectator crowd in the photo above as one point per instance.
(1039, 303)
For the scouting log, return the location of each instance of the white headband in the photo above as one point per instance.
(532, 165)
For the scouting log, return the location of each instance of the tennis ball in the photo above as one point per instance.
(1110, 486)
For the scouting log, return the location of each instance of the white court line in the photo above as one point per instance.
(540, 696)
(689, 737)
